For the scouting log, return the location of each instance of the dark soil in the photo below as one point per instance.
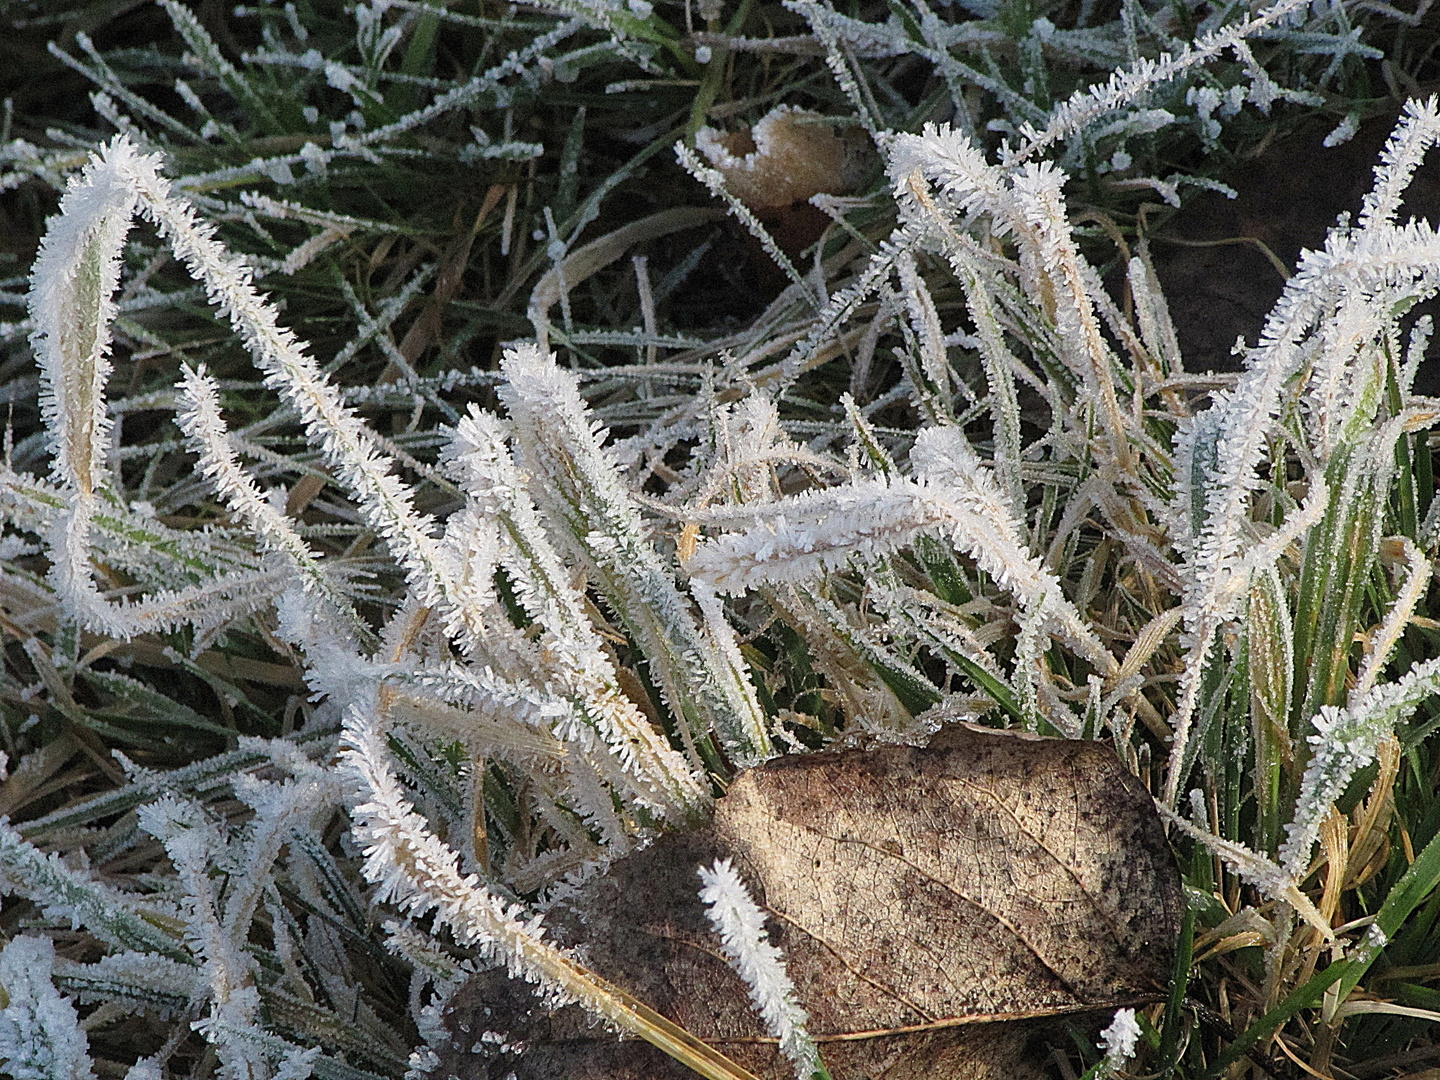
(1288, 197)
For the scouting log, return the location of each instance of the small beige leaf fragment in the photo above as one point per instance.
(789, 155)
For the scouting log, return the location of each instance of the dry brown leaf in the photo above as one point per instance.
(789, 155)
(936, 908)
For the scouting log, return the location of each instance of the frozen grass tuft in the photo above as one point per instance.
(374, 406)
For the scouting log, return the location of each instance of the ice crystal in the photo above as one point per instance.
(1119, 1039)
(40, 1035)
(741, 928)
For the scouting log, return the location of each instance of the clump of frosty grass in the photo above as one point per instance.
(943, 577)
